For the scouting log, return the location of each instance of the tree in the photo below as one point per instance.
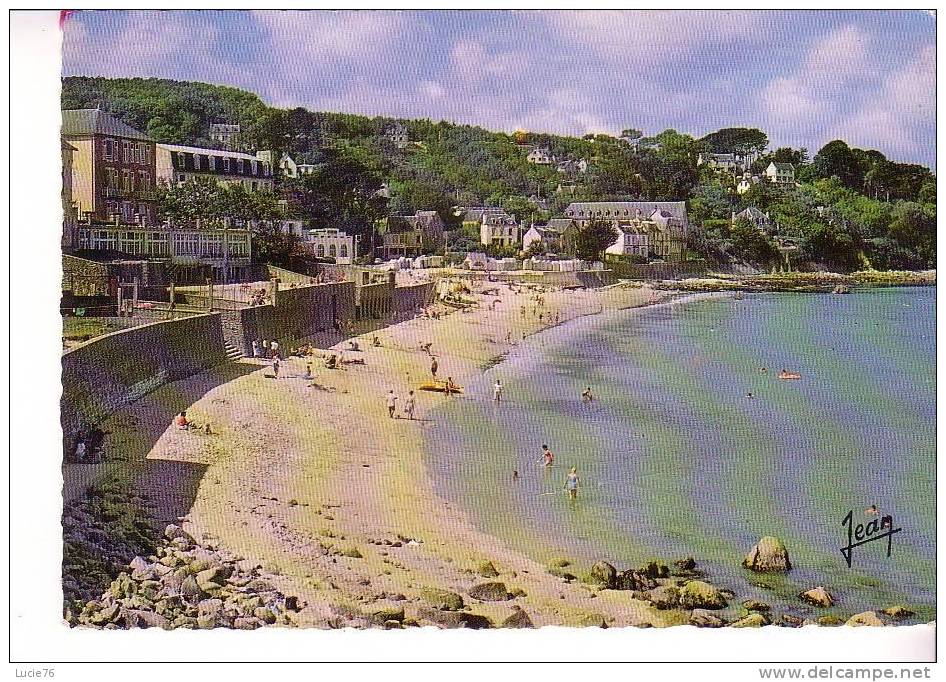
(751, 244)
(914, 229)
(594, 238)
(838, 160)
(738, 140)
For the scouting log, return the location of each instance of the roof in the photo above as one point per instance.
(560, 224)
(77, 122)
(626, 209)
(67, 146)
(753, 213)
(783, 166)
(546, 231)
(208, 152)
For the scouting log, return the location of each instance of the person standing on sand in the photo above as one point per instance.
(275, 348)
(572, 483)
(308, 370)
(548, 459)
(275, 366)
(450, 388)
(392, 403)
(255, 348)
(433, 368)
(265, 348)
(409, 405)
(498, 391)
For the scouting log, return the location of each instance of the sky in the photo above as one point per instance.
(804, 77)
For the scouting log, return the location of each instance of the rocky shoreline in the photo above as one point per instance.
(810, 282)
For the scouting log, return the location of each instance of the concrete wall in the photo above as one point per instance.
(409, 298)
(589, 278)
(298, 313)
(661, 270)
(117, 369)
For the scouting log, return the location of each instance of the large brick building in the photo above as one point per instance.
(113, 169)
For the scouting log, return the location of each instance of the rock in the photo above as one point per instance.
(173, 532)
(190, 590)
(697, 594)
(206, 621)
(830, 621)
(593, 620)
(267, 616)
(702, 618)
(380, 612)
(817, 596)
(106, 615)
(686, 564)
(517, 619)
(787, 620)
(663, 597)
(559, 562)
(486, 569)
(247, 565)
(214, 574)
(654, 569)
(454, 619)
(210, 607)
(633, 580)
(444, 600)
(604, 574)
(899, 612)
(146, 619)
(753, 620)
(139, 564)
(865, 619)
(755, 605)
(246, 623)
(768, 556)
(292, 604)
(493, 591)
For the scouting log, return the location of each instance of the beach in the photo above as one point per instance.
(314, 481)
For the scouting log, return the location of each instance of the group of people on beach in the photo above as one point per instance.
(266, 349)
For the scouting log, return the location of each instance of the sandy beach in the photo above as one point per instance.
(312, 479)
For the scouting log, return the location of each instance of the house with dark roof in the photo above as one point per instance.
(177, 164)
(666, 222)
(113, 168)
(413, 235)
(755, 217)
(780, 173)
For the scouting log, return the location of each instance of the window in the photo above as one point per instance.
(126, 151)
(145, 154)
(343, 251)
(126, 181)
(320, 251)
(180, 159)
(181, 178)
(240, 166)
(211, 163)
(253, 185)
(128, 211)
(109, 153)
(253, 167)
(226, 164)
(144, 179)
(331, 251)
(159, 244)
(196, 161)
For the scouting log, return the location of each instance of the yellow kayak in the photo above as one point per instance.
(439, 386)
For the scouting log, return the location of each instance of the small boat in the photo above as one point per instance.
(439, 387)
(786, 375)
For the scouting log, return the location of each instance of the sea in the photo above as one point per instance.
(693, 446)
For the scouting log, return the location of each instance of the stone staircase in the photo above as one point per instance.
(233, 353)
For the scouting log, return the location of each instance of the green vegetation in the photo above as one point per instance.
(849, 208)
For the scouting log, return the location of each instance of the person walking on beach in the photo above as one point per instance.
(433, 367)
(308, 370)
(572, 483)
(275, 367)
(548, 459)
(392, 403)
(498, 391)
(275, 348)
(255, 348)
(409, 405)
(451, 387)
(265, 348)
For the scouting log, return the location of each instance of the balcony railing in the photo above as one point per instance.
(120, 192)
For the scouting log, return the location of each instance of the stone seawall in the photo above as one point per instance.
(117, 369)
(411, 297)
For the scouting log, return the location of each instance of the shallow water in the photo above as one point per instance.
(675, 459)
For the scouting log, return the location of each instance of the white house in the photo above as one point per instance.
(725, 162)
(331, 243)
(780, 173)
(547, 236)
(633, 239)
(176, 164)
(499, 229)
(541, 156)
(746, 182)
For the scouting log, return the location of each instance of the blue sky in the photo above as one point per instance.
(804, 77)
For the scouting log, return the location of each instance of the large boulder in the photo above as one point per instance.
(753, 620)
(381, 612)
(697, 594)
(768, 556)
(493, 591)
(702, 618)
(755, 605)
(654, 569)
(454, 619)
(443, 600)
(899, 612)
(486, 569)
(663, 597)
(633, 580)
(517, 619)
(817, 596)
(603, 573)
(865, 619)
